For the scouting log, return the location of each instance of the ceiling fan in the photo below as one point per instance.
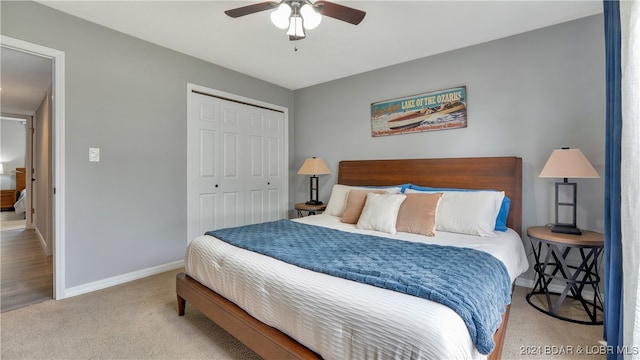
(298, 15)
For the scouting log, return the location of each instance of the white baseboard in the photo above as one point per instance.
(121, 279)
(43, 242)
(528, 283)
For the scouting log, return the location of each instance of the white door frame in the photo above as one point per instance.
(58, 154)
(233, 97)
(29, 175)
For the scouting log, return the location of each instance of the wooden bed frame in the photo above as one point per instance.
(21, 179)
(499, 173)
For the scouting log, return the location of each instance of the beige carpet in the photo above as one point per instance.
(138, 320)
(531, 332)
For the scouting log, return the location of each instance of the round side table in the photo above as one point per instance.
(551, 264)
(310, 209)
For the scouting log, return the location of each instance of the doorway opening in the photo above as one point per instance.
(44, 158)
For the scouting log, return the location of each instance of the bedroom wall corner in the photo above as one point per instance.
(127, 212)
(527, 95)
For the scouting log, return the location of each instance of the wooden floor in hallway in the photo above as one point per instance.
(26, 272)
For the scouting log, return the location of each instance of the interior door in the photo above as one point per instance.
(218, 194)
(232, 175)
(237, 164)
(267, 172)
(30, 174)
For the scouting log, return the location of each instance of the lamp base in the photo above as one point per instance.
(314, 202)
(566, 229)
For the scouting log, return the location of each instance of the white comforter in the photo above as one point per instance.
(20, 205)
(343, 319)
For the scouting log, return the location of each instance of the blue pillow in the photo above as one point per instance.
(402, 187)
(501, 219)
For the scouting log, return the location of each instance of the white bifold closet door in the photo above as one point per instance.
(238, 164)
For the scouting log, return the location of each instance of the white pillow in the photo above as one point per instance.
(380, 212)
(338, 199)
(468, 212)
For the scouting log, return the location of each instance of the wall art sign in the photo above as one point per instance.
(438, 110)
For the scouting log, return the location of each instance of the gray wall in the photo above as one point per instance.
(128, 98)
(12, 154)
(527, 95)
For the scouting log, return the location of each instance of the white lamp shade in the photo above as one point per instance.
(311, 18)
(568, 163)
(1, 169)
(314, 166)
(280, 17)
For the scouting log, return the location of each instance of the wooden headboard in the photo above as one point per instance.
(21, 178)
(495, 173)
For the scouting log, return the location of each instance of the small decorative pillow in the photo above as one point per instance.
(380, 212)
(417, 213)
(355, 204)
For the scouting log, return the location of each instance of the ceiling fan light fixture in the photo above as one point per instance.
(280, 17)
(296, 30)
(311, 18)
(298, 15)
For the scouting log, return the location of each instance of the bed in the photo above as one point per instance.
(262, 322)
(20, 204)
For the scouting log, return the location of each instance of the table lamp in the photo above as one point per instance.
(567, 163)
(314, 166)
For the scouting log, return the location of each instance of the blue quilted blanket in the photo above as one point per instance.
(473, 283)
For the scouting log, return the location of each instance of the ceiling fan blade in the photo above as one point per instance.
(253, 8)
(340, 12)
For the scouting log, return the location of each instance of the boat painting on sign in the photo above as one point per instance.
(438, 110)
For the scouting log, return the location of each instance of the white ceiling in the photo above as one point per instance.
(24, 80)
(392, 32)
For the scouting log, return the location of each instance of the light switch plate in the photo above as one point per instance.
(94, 154)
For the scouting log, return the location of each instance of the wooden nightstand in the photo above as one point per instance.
(310, 209)
(552, 265)
(7, 198)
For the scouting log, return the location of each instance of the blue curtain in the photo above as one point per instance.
(612, 234)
